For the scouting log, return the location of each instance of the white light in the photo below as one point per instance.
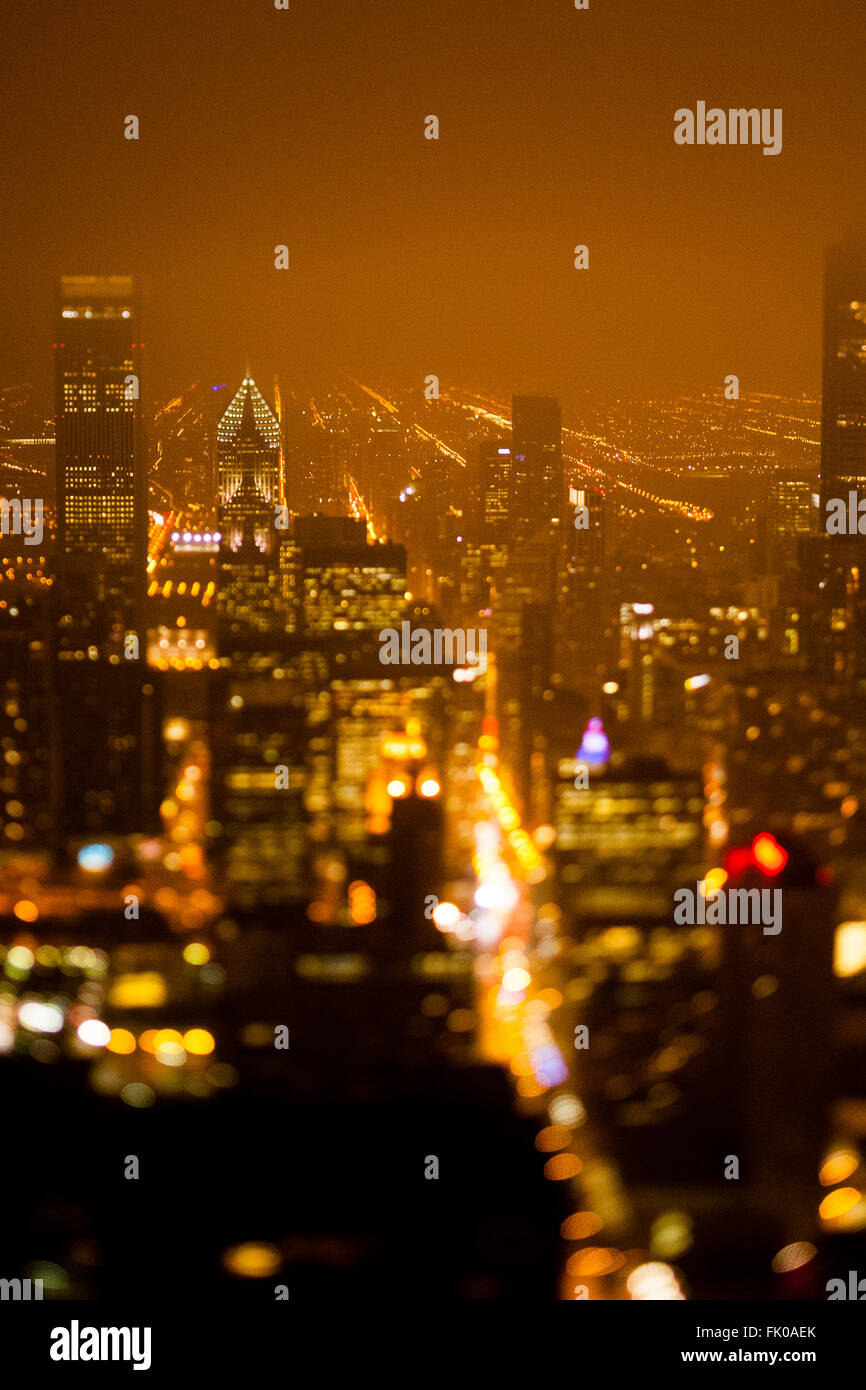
(567, 1110)
(497, 896)
(654, 1282)
(445, 915)
(516, 980)
(94, 1033)
(40, 1018)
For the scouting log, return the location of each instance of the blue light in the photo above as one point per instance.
(548, 1065)
(95, 858)
(595, 745)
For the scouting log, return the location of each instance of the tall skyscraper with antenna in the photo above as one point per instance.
(101, 482)
(843, 417)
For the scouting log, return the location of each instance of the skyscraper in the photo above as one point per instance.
(101, 483)
(843, 420)
(586, 529)
(349, 585)
(249, 464)
(495, 478)
(536, 425)
(777, 998)
(629, 838)
(250, 489)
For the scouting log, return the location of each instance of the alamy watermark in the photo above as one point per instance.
(729, 907)
(736, 126)
(21, 1290)
(75, 1343)
(846, 519)
(22, 518)
(441, 647)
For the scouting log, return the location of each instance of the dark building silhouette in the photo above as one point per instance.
(106, 723)
(843, 418)
(832, 572)
(777, 1003)
(536, 425)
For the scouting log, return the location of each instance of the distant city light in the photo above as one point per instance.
(446, 916)
(94, 1033)
(198, 1042)
(769, 854)
(37, 1017)
(850, 950)
(196, 953)
(654, 1282)
(20, 958)
(567, 1110)
(595, 744)
(430, 787)
(397, 787)
(838, 1166)
(252, 1261)
(793, 1256)
(516, 979)
(95, 858)
(121, 1041)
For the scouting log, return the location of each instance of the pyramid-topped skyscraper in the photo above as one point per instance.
(248, 445)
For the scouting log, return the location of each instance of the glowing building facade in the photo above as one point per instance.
(101, 487)
(249, 467)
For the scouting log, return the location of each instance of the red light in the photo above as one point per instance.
(738, 860)
(768, 853)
